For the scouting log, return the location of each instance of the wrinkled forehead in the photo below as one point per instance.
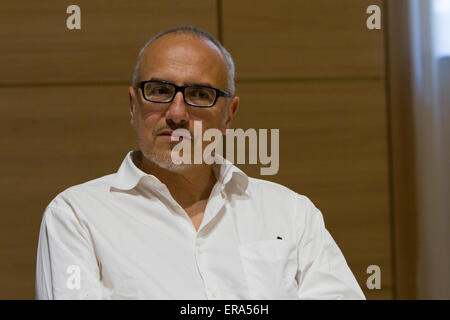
(184, 58)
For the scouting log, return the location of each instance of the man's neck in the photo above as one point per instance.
(187, 186)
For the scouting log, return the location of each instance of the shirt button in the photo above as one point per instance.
(213, 295)
(200, 251)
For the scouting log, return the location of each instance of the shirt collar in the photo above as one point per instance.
(229, 175)
(129, 175)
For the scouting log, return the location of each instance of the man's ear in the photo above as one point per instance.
(132, 99)
(230, 112)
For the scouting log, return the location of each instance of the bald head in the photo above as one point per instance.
(172, 41)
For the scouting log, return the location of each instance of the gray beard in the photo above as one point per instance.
(166, 162)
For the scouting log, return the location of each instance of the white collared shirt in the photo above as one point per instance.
(123, 236)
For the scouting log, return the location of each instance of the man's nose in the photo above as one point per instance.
(176, 113)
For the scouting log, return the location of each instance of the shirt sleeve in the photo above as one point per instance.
(66, 266)
(322, 272)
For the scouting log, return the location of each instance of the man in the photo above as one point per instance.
(160, 230)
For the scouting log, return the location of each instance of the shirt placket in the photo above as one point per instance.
(215, 204)
(200, 251)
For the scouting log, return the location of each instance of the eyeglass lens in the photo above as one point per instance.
(163, 92)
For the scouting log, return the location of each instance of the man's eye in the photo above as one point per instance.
(159, 90)
(201, 94)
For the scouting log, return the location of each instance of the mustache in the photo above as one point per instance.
(160, 129)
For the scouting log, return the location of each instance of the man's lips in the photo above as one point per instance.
(174, 133)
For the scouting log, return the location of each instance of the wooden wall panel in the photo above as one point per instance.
(37, 47)
(404, 148)
(51, 138)
(284, 38)
(333, 149)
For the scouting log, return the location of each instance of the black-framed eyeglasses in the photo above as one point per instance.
(194, 95)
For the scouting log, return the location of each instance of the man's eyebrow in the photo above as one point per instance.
(206, 84)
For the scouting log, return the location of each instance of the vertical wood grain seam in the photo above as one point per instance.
(389, 151)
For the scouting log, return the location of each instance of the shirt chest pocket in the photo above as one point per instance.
(270, 267)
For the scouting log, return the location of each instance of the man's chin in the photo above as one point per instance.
(164, 160)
